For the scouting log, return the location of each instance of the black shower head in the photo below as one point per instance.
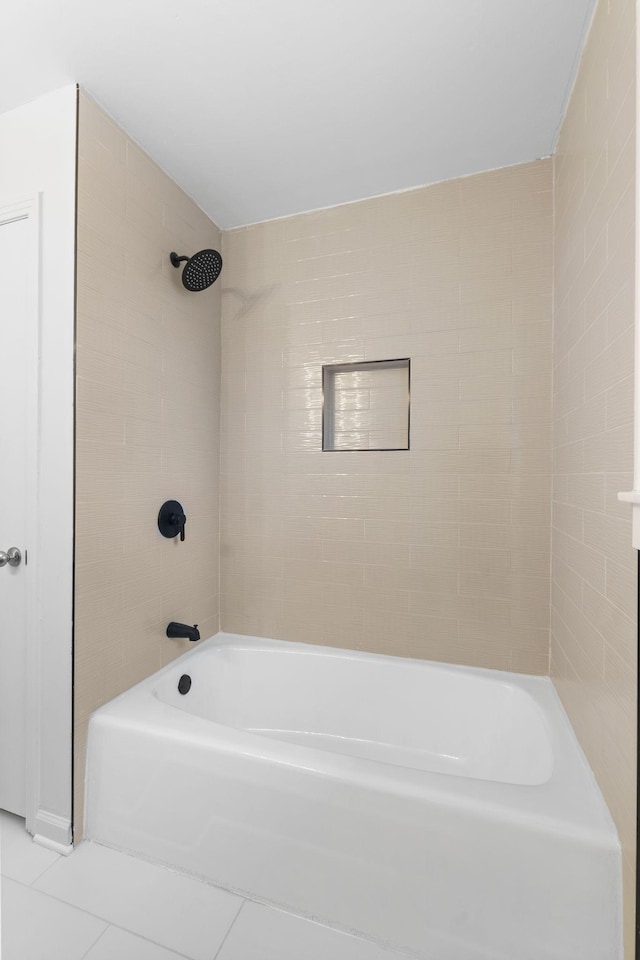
(201, 270)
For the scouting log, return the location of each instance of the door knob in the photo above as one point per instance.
(12, 557)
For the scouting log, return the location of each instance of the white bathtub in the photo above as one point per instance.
(445, 811)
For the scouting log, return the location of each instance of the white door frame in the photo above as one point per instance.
(28, 209)
(39, 169)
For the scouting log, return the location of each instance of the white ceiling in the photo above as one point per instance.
(263, 108)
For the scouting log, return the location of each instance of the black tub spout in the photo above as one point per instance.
(179, 630)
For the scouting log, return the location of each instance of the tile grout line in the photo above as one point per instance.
(138, 936)
(41, 875)
(233, 923)
(100, 936)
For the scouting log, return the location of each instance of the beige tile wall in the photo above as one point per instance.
(593, 637)
(148, 368)
(439, 552)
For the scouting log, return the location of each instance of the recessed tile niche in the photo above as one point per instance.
(366, 405)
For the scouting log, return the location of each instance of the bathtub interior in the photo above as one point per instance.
(409, 714)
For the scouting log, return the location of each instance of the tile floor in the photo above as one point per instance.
(98, 904)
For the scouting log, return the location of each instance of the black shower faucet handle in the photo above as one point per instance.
(178, 520)
(172, 519)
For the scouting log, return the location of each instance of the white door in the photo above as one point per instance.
(17, 377)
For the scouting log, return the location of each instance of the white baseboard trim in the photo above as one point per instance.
(64, 849)
(53, 832)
